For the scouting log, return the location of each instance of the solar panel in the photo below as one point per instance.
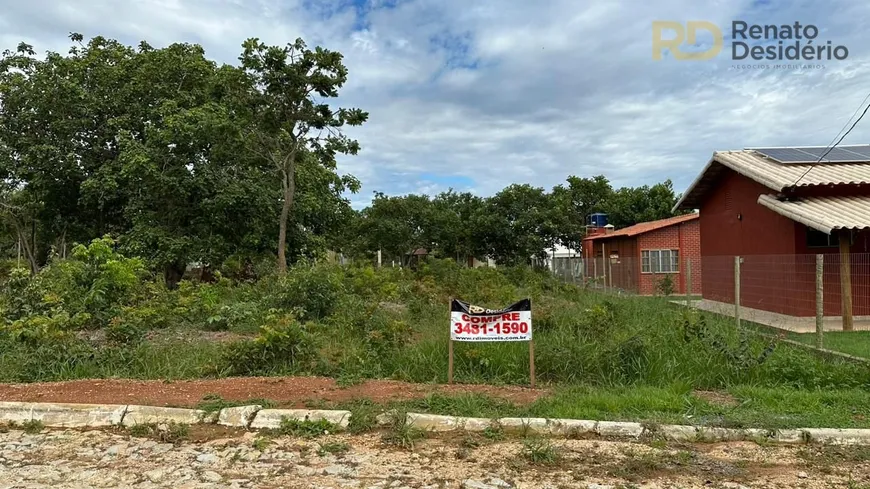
(863, 150)
(811, 154)
(787, 155)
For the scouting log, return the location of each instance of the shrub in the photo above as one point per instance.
(313, 289)
(665, 286)
(22, 295)
(598, 320)
(43, 329)
(282, 345)
(133, 323)
(97, 278)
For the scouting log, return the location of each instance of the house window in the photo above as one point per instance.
(660, 261)
(818, 239)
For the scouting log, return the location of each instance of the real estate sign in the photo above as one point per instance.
(474, 323)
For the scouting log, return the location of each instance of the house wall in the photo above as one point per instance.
(777, 272)
(626, 269)
(732, 224)
(622, 272)
(803, 291)
(684, 237)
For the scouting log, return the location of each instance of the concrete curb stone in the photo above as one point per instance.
(155, 415)
(62, 415)
(434, 422)
(240, 416)
(271, 418)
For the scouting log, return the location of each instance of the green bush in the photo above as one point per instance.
(283, 346)
(313, 290)
(665, 286)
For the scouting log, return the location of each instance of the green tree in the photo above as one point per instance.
(453, 225)
(396, 225)
(286, 118)
(574, 201)
(631, 205)
(136, 142)
(517, 224)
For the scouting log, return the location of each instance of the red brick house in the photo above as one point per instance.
(777, 212)
(637, 257)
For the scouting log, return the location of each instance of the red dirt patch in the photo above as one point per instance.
(286, 391)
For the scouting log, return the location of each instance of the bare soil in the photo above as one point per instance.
(285, 391)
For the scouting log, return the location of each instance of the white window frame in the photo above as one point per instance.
(672, 256)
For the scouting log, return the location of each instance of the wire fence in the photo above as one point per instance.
(799, 293)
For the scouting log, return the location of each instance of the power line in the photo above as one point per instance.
(850, 120)
(831, 148)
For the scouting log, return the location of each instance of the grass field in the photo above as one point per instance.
(736, 407)
(605, 356)
(856, 343)
(852, 342)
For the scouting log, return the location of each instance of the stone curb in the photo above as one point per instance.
(60, 415)
(239, 416)
(156, 415)
(271, 418)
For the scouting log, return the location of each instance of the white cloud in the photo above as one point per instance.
(501, 91)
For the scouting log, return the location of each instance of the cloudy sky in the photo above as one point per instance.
(478, 94)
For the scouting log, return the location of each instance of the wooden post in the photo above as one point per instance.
(688, 280)
(379, 258)
(846, 278)
(610, 272)
(604, 266)
(450, 344)
(737, 290)
(594, 269)
(532, 361)
(820, 302)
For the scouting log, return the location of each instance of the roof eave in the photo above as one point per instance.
(718, 158)
(773, 204)
(688, 192)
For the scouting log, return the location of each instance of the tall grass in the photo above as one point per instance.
(357, 323)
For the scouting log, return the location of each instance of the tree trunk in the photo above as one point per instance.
(172, 274)
(289, 185)
(28, 248)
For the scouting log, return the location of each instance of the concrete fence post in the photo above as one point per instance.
(737, 290)
(820, 300)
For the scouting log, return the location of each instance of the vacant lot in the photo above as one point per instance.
(100, 315)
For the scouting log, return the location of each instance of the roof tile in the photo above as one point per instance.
(645, 227)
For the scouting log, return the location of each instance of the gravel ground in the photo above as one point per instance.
(78, 459)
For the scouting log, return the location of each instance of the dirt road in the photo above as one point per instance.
(76, 459)
(284, 391)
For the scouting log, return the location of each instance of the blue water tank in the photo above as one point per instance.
(597, 220)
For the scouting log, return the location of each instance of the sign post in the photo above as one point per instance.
(450, 350)
(470, 323)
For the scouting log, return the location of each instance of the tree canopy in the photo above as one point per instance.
(174, 154)
(184, 160)
(512, 226)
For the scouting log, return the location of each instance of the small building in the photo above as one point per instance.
(561, 260)
(644, 258)
(776, 209)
